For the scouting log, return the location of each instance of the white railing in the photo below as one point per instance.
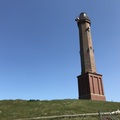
(71, 116)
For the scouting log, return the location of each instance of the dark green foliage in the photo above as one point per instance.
(15, 109)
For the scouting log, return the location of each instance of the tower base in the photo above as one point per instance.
(90, 86)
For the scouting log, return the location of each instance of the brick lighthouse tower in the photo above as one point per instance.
(90, 84)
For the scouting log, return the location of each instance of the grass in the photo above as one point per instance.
(15, 109)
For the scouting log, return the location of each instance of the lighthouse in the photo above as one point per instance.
(90, 85)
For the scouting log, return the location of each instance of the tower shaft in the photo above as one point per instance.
(86, 49)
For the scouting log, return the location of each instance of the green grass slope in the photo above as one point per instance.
(15, 109)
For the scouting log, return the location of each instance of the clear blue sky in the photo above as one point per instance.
(39, 47)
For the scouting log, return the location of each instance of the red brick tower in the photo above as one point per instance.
(90, 84)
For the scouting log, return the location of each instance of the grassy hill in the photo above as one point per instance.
(16, 109)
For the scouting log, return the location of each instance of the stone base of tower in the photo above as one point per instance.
(90, 86)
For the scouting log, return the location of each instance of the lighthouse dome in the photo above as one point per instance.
(84, 15)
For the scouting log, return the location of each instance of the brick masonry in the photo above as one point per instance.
(90, 86)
